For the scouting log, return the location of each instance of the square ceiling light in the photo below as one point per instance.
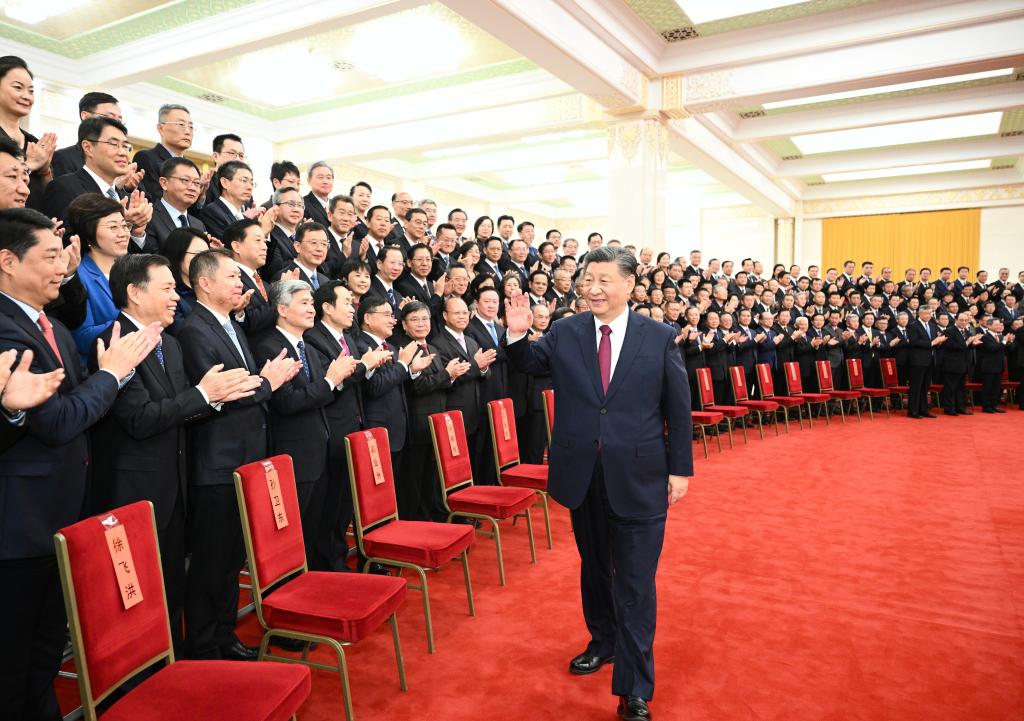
(908, 170)
(705, 11)
(880, 136)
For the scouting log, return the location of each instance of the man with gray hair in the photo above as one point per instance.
(174, 125)
(321, 182)
(430, 208)
(297, 417)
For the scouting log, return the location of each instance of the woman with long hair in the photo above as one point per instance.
(180, 247)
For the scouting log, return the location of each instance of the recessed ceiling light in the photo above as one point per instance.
(704, 11)
(909, 170)
(294, 72)
(32, 12)
(401, 47)
(886, 89)
(919, 131)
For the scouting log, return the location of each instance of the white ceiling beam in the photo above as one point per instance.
(963, 101)
(919, 154)
(842, 28)
(915, 184)
(227, 35)
(524, 156)
(622, 29)
(547, 34)
(942, 52)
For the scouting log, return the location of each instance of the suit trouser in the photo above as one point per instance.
(484, 473)
(214, 534)
(920, 380)
(954, 392)
(32, 603)
(536, 437)
(619, 560)
(172, 559)
(419, 497)
(312, 507)
(991, 390)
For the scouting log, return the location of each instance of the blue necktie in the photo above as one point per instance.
(314, 282)
(112, 194)
(230, 330)
(494, 333)
(305, 361)
(183, 220)
(391, 298)
(160, 354)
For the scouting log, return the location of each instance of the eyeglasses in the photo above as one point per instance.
(244, 180)
(180, 124)
(316, 243)
(115, 227)
(234, 154)
(188, 182)
(115, 144)
(292, 204)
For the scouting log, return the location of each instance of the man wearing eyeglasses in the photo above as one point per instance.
(70, 159)
(105, 145)
(174, 125)
(289, 213)
(226, 147)
(235, 202)
(310, 253)
(179, 179)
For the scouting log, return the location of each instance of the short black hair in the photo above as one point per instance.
(368, 304)
(374, 209)
(410, 308)
(503, 218)
(536, 273)
(326, 293)
(228, 170)
(176, 246)
(13, 62)
(513, 241)
(383, 255)
(218, 141)
(519, 228)
(445, 226)
(360, 184)
(84, 214)
(18, 228)
(453, 211)
(92, 128)
(553, 230)
(282, 168)
(340, 198)
(11, 147)
(418, 246)
(132, 269)
(485, 289)
(413, 211)
(304, 228)
(169, 165)
(236, 232)
(90, 101)
(205, 263)
(353, 265)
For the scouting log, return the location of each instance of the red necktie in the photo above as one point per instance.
(47, 328)
(604, 357)
(259, 285)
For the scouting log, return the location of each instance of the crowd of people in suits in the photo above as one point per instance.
(160, 328)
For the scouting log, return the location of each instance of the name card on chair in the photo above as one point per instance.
(453, 442)
(121, 558)
(504, 424)
(378, 470)
(274, 489)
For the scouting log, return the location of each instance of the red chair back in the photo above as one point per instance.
(549, 408)
(112, 642)
(373, 497)
(824, 370)
(503, 431)
(764, 380)
(1006, 370)
(890, 377)
(269, 507)
(855, 369)
(705, 388)
(794, 383)
(738, 378)
(452, 458)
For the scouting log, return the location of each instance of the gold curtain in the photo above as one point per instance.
(903, 240)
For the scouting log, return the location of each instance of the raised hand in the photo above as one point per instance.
(20, 388)
(268, 220)
(280, 370)
(125, 352)
(254, 212)
(72, 255)
(484, 358)
(341, 368)
(39, 154)
(457, 368)
(243, 302)
(131, 179)
(421, 362)
(406, 354)
(223, 386)
(518, 316)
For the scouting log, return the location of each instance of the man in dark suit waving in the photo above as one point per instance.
(610, 462)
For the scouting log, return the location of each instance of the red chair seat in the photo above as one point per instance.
(421, 542)
(730, 411)
(202, 690)
(344, 606)
(763, 406)
(845, 395)
(494, 501)
(788, 401)
(527, 475)
(901, 389)
(874, 392)
(707, 418)
(935, 388)
(972, 386)
(1009, 384)
(814, 397)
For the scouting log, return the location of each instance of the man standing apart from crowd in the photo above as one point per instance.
(610, 463)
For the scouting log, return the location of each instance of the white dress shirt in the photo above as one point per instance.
(294, 341)
(617, 336)
(236, 213)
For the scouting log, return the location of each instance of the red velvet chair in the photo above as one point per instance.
(383, 538)
(738, 378)
(549, 411)
(855, 370)
(826, 386)
(702, 420)
(890, 378)
(464, 499)
(795, 389)
(511, 472)
(766, 384)
(113, 644)
(335, 609)
(1009, 386)
(706, 393)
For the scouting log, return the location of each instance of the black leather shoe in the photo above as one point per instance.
(290, 644)
(951, 413)
(380, 569)
(928, 415)
(587, 662)
(238, 651)
(633, 708)
(966, 412)
(913, 415)
(999, 410)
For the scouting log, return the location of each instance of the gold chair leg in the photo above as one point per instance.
(426, 609)
(529, 531)
(810, 416)
(704, 439)
(547, 518)
(775, 422)
(785, 417)
(828, 417)
(842, 412)
(760, 425)
(497, 549)
(399, 658)
(469, 586)
(346, 690)
(718, 437)
(888, 406)
(728, 423)
(746, 418)
(871, 411)
(857, 406)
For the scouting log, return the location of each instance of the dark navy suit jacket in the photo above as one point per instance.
(648, 390)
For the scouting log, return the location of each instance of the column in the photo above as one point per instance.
(637, 152)
(785, 240)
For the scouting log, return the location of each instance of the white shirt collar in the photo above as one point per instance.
(617, 324)
(304, 269)
(235, 212)
(384, 282)
(172, 211)
(290, 338)
(246, 269)
(457, 336)
(335, 333)
(378, 341)
(104, 185)
(221, 318)
(32, 313)
(138, 323)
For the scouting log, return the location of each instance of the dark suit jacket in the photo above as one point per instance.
(67, 160)
(955, 352)
(377, 289)
(384, 395)
(345, 413)
(648, 391)
(920, 344)
(237, 433)
(150, 160)
(162, 224)
(64, 189)
(43, 474)
(142, 438)
(425, 395)
(496, 380)
(464, 395)
(315, 210)
(407, 286)
(716, 358)
(260, 316)
(280, 252)
(331, 266)
(990, 354)
(215, 216)
(298, 424)
(746, 349)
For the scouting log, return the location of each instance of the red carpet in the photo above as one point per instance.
(870, 571)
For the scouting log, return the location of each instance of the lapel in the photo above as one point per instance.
(328, 337)
(87, 181)
(588, 349)
(163, 221)
(101, 284)
(151, 364)
(454, 344)
(222, 336)
(630, 347)
(21, 320)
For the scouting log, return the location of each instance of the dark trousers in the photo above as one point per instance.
(484, 473)
(991, 389)
(33, 606)
(920, 378)
(420, 498)
(172, 560)
(619, 561)
(312, 499)
(214, 535)
(332, 546)
(954, 392)
(536, 437)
